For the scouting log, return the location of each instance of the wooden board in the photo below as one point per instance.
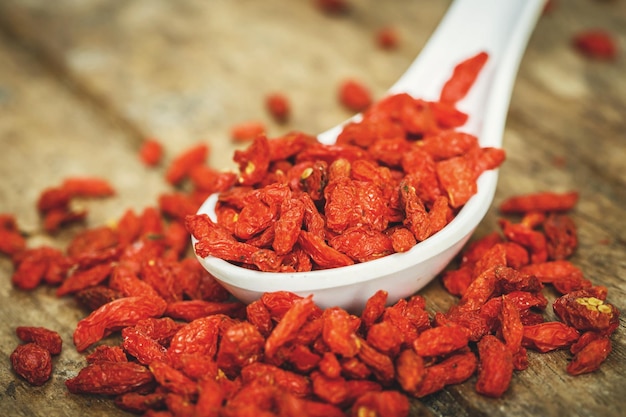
(82, 83)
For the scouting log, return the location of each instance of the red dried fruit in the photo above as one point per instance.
(32, 362)
(113, 316)
(410, 370)
(545, 201)
(440, 341)
(453, 370)
(495, 367)
(110, 378)
(172, 379)
(287, 328)
(181, 166)
(584, 311)
(462, 79)
(278, 106)
(387, 38)
(354, 95)
(548, 336)
(47, 339)
(247, 131)
(11, 240)
(596, 44)
(151, 152)
(87, 187)
(590, 357)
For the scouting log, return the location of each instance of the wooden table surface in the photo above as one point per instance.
(83, 83)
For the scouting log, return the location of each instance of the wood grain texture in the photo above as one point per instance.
(81, 83)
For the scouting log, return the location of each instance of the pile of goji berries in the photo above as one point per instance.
(187, 349)
(393, 179)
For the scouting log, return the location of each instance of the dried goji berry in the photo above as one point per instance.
(548, 336)
(452, 370)
(546, 201)
(189, 310)
(385, 337)
(339, 331)
(590, 357)
(110, 378)
(106, 353)
(354, 95)
(247, 131)
(495, 367)
(34, 265)
(82, 279)
(584, 311)
(88, 187)
(113, 316)
(511, 325)
(288, 326)
(172, 379)
(32, 362)
(273, 375)
(463, 77)
(278, 106)
(387, 37)
(596, 43)
(381, 365)
(240, 345)
(180, 167)
(410, 370)
(11, 240)
(561, 236)
(151, 152)
(93, 297)
(142, 347)
(374, 308)
(440, 341)
(47, 339)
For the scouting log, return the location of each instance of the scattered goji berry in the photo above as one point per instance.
(590, 357)
(548, 336)
(151, 152)
(463, 77)
(87, 187)
(115, 315)
(495, 367)
(32, 362)
(546, 201)
(387, 38)
(110, 378)
(47, 339)
(596, 43)
(278, 106)
(247, 131)
(181, 166)
(354, 95)
(11, 240)
(584, 311)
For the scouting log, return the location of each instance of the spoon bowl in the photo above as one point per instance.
(500, 28)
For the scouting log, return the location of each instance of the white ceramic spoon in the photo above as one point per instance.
(502, 29)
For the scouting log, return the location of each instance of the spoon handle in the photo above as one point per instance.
(499, 27)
